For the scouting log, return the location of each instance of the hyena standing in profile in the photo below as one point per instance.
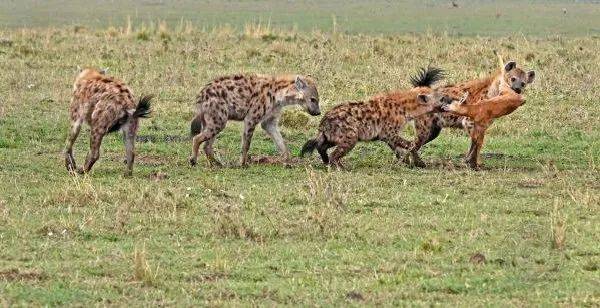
(380, 118)
(106, 104)
(253, 99)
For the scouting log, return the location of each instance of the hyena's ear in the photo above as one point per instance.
(300, 83)
(104, 70)
(509, 66)
(530, 76)
(423, 98)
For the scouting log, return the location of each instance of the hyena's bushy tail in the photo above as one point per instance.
(426, 77)
(312, 144)
(143, 109)
(196, 126)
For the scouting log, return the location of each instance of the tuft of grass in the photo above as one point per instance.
(228, 221)
(142, 271)
(559, 228)
(326, 199)
(294, 119)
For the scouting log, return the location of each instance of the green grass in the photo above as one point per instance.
(380, 233)
(473, 17)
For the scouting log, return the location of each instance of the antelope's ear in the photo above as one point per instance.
(103, 71)
(509, 66)
(423, 98)
(300, 83)
(530, 76)
(463, 99)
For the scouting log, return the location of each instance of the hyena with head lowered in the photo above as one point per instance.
(253, 99)
(106, 104)
(380, 118)
(508, 80)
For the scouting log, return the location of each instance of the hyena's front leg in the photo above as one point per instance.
(469, 127)
(398, 144)
(477, 137)
(95, 141)
(249, 126)
(69, 158)
(270, 126)
(426, 131)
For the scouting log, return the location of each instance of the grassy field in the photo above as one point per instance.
(380, 233)
(472, 17)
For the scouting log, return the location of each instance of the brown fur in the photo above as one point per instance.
(482, 114)
(380, 118)
(253, 99)
(428, 127)
(106, 104)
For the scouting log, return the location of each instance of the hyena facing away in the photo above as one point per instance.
(106, 104)
(253, 99)
(380, 118)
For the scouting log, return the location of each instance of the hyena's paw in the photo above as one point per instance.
(244, 161)
(193, 161)
(419, 163)
(406, 159)
(337, 166)
(474, 165)
(215, 163)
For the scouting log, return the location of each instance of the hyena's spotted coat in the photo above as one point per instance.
(252, 99)
(380, 118)
(429, 126)
(106, 104)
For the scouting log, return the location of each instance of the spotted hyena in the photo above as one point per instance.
(429, 126)
(107, 105)
(253, 99)
(380, 118)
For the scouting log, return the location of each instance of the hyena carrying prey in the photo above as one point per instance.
(107, 105)
(429, 126)
(380, 118)
(253, 99)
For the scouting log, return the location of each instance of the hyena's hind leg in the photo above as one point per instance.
(249, 126)
(73, 134)
(210, 153)
(94, 154)
(343, 147)
(129, 135)
(210, 129)
(322, 149)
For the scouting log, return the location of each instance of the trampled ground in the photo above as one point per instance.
(380, 233)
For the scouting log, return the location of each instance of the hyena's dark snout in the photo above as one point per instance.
(313, 110)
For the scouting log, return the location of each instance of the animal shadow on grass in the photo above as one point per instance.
(275, 160)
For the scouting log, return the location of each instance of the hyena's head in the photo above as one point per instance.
(433, 101)
(89, 73)
(517, 78)
(457, 106)
(304, 93)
